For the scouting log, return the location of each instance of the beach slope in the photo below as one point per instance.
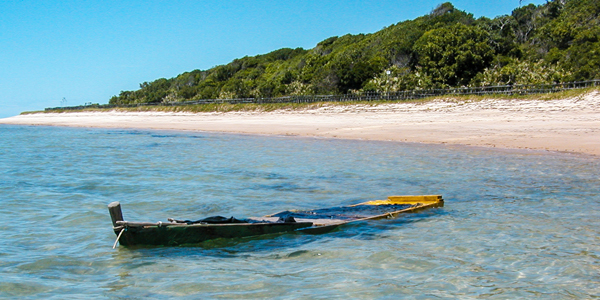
(569, 125)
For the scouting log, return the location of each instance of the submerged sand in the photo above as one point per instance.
(570, 125)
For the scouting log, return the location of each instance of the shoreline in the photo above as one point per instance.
(564, 125)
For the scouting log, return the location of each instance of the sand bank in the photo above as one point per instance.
(571, 125)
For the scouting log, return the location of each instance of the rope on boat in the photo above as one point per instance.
(118, 237)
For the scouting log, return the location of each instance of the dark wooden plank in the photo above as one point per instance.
(114, 208)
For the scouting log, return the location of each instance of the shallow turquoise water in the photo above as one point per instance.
(516, 224)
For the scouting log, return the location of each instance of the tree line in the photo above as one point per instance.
(555, 42)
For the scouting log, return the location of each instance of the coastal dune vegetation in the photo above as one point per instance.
(228, 106)
(555, 42)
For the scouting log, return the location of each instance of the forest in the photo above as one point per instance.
(555, 42)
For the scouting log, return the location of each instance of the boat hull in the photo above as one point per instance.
(198, 233)
(317, 221)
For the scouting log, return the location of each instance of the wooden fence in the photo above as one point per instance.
(373, 96)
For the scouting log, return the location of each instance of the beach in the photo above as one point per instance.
(564, 125)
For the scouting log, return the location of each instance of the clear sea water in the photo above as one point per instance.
(516, 224)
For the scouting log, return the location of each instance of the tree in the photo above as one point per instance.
(554, 42)
(454, 55)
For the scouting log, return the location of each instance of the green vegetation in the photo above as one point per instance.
(267, 107)
(551, 43)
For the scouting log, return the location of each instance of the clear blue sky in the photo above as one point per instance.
(88, 51)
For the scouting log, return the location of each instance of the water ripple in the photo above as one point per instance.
(516, 224)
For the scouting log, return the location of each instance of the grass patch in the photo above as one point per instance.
(32, 112)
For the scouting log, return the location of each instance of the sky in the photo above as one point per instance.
(72, 52)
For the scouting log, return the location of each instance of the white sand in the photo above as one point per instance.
(571, 125)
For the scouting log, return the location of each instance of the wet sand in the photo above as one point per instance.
(569, 125)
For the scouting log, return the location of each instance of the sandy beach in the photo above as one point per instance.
(566, 125)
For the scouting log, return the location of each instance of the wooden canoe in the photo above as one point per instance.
(177, 232)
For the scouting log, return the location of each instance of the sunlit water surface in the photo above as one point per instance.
(516, 224)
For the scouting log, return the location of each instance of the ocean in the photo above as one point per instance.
(516, 224)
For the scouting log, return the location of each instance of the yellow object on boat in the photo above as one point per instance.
(423, 199)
